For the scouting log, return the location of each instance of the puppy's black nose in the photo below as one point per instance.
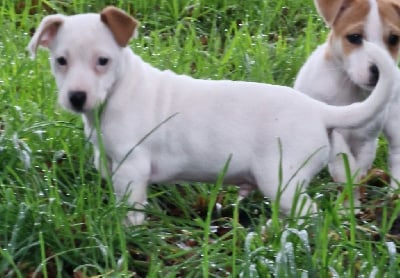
(77, 99)
(374, 75)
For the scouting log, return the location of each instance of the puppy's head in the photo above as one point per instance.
(86, 54)
(353, 21)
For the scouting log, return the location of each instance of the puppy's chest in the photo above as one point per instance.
(97, 136)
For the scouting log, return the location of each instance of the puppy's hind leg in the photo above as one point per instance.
(291, 196)
(295, 201)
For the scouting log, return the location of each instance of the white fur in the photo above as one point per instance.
(207, 120)
(342, 80)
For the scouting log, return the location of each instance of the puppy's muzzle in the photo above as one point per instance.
(374, 75)
(77, 100)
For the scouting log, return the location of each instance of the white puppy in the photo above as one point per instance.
(207, 120)
(339, 73)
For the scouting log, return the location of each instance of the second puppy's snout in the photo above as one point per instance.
(77, 100)
(374, 75)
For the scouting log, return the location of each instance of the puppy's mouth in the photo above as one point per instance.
(368, 87)
(77, 111)
(373, 79)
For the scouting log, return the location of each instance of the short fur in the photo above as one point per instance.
(339, 73)
(204, 121)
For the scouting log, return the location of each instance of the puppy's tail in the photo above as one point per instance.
(360, 113)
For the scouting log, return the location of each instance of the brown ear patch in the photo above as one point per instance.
(121, 24)
(389, 11)
(331, 10)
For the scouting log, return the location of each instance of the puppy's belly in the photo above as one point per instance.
(200, 174)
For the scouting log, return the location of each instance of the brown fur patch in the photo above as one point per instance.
(121, 25)
(389, 10)
(350, 21)
(330, 10)
(350, 16)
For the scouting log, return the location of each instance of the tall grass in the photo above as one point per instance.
(59, 218)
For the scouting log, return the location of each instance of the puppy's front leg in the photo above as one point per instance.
(365, 156)
(103, 167)
(392, 133)
(394, 159)
(131, 179)
(336, 165)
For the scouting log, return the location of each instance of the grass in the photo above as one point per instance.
(58, 218)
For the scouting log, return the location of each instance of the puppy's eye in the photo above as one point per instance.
(355, 39)
(102, 61)
(61, 61)
(393, 40)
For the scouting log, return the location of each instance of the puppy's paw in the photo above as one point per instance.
(134, 218)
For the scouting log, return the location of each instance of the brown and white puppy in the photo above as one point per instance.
(338, 72)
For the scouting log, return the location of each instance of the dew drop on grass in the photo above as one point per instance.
(39, 133)
(248, 240)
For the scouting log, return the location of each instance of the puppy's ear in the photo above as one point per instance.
(45, 33)
(396, 6)
(330, 10)
(121, 24)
